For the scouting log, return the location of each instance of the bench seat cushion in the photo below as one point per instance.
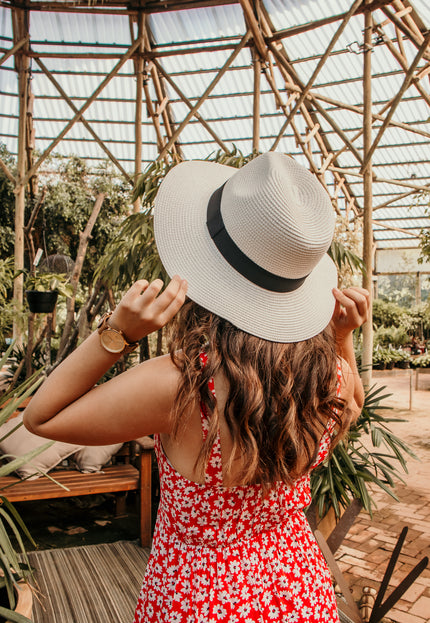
(21, 441)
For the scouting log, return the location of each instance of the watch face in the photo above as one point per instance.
(112, 341)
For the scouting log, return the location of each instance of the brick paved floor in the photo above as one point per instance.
(364, 553)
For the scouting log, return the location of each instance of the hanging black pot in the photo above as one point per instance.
(41, 302)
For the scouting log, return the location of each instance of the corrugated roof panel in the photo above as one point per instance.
(85, 27)
(199, 23)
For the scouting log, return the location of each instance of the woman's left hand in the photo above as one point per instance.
(351, 310)
(143, 309)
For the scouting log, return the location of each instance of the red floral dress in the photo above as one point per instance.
(228, 555)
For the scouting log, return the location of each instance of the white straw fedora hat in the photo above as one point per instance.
(251, 242)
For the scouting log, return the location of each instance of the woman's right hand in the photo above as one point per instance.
(143, 309)
(350, 312)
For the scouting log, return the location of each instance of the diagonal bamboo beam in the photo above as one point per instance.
(210, 88)
(151, 112)
(380, 180)
(15, 49)
(357, 109)
(80, 112)
(306, 89)
(314, 127)
(82, 120)
(186, 101)
(394, 228)
(309, 115)
(397, 197)
(282, 60)
(397, 99)
(7, 172)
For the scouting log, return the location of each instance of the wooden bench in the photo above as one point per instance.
(118, 478)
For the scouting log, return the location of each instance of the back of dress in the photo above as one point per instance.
(230, 555)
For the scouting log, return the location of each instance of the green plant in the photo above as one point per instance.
(394, 336)
(353, 465)
(14, 563)
(44, 282)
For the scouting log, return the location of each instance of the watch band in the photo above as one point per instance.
(103, 325)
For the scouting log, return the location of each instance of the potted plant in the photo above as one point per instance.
(42, 290)
(403, 359)
(380, 358)
(15, 569)
(355, 463)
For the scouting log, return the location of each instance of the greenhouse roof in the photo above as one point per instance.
(277, 74)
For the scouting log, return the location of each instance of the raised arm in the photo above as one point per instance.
(351, 311)
(68, 407)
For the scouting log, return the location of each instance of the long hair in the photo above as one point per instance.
(280, 396)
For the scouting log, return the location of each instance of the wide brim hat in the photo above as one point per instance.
(252, 243)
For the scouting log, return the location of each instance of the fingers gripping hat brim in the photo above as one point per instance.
(186, 248)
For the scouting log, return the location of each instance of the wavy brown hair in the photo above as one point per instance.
(280, 396)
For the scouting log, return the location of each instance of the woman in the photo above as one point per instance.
(260, 383)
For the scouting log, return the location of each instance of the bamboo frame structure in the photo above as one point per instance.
(302, 111)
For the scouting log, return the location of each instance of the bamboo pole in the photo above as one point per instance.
(81, 111)
(210, 88)
(138, 116)
(254, 27)
(367, 354)
(82, 120)
(20, 27)
(402, 196)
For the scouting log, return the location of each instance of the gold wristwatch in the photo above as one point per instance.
(113, 340)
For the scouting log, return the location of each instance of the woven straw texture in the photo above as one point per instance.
(88, 584)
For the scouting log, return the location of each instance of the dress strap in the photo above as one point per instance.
(213, 473)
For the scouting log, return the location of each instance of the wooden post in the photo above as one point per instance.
(368, 198)
(20, 25)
